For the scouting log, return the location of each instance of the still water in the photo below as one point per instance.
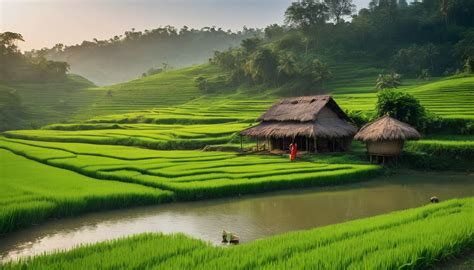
(252, 217)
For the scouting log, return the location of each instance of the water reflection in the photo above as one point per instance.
(252, 217)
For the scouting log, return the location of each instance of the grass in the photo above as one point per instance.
(441, 153)
(453, 146)
(143, 135)
(31, 192)
(78, 99)
(410, 239)
(147, 100)
(450, 98)
(189, 174)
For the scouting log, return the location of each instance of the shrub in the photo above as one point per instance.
(401, 106)
(202, 84)
(386, 81)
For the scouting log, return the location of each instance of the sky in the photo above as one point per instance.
(44, 23)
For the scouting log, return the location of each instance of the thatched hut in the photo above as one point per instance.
(315, 123)
(386, 136)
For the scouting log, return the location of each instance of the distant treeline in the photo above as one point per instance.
(420, 39)
(18, 67)
(129, 56)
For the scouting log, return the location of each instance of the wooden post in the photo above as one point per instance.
(307, 144)
(241, 149)
(315, 144)
(257, 144)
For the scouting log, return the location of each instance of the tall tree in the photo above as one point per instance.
(339, 9)
(445, 8)
(307, 13)
(262, 66)
(8, 42)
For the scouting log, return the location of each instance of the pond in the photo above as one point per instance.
(251, 217)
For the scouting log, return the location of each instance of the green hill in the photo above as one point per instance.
(172, 97)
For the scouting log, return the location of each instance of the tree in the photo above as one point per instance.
(402, 4)
(273, 31)
(202, 84)
(262, 66)
(400, 105)
(314, 73)
(286, 66)
(414, 59)
(8, 42)
(388, 81)
(11, 109)
(250, 44)
(307, 13)
(445, 8)
(339, 8)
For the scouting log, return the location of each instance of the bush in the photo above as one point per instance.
(401, 106)
(202, 84)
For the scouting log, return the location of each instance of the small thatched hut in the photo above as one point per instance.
(386, 136)
(315, 123)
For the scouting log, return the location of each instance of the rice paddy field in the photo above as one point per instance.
(410, 239)
(447, 98)
(31, 192)
(109, 147)
(188, 174)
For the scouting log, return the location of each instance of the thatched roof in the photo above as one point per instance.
(301, 109)
(387, 129)
(328, 128)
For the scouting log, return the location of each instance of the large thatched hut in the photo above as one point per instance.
(315, 123)
(386, 136)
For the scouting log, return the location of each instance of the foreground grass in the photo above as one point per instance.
(190, 174)
(410, 239)
(31, 192)
(441, 153)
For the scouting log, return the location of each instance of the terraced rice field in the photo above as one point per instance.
(189, 174)
(447, 146)
(411, 239)
(447, 98)
(151, 136)
(78, 99)
(147, 100)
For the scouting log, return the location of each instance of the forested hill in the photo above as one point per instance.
(128, 56)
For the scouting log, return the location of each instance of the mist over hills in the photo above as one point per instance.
(128, 56)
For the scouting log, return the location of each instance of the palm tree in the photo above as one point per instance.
(384, 81)
(445, 8)
(286, 65)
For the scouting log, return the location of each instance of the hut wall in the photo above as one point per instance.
(385, 148)
(326, 112)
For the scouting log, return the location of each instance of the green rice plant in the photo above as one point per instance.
(31, 192)
(441, 153)
(410, 239)
(190, 175)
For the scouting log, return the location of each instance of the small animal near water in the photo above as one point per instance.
(230, 237)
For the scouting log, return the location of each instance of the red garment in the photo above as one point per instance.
(293, 151)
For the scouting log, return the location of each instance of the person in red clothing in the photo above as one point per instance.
(293, 151)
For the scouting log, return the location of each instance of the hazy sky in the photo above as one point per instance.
(44, 23)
